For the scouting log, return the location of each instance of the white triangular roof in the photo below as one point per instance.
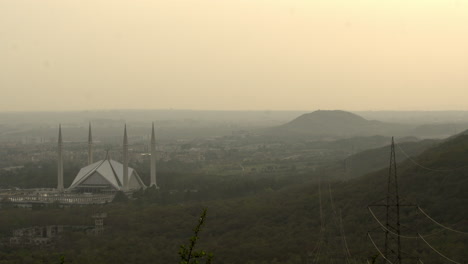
(110, 170)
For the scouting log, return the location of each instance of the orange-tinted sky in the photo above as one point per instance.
(234, 54)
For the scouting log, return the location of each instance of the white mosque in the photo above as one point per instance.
(108, 175)
(105, 176)
(96, 183)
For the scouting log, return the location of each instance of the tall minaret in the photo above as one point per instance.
(90, 146)
(125, 160)
(153, 159)
(60, 161)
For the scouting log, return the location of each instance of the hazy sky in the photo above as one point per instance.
(233, 54)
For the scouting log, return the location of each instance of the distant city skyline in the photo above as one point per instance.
(292, 55)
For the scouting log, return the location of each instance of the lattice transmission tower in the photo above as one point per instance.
(392, 250)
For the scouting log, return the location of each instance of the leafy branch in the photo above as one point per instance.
(187, 253)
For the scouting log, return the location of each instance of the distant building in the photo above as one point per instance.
(49, 235)
(38, 235)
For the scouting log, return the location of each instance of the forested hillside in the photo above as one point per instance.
(280, 226)
(374, 159)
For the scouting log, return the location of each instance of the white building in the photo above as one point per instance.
(105, 175)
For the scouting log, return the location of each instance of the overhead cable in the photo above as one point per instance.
(377, 248)
(424, 167)
(390, 231)
(441, 225)
(436, 251)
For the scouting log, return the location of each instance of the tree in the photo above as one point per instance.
(187, 253)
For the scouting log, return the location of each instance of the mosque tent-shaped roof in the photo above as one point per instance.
(106, 174)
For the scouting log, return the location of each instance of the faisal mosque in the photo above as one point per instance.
(96, 183)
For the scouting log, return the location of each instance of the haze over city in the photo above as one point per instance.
(233, 55)
(233, 131)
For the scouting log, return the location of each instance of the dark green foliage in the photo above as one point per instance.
(188, 254)
(38, 175)
(276, 226)
(374, 159)
(120, 197)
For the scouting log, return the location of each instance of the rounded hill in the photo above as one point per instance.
(333, 124)
(331, 118)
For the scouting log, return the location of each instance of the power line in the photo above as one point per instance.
(321, 234)
(392, 246)
(331, 201)
(436, 251)
(322, 249)
(377, 248)
(439, 224)
(339, 223)
(392, 252)
(410, 237)
(424, 167)
(319, 248)
(388, 230)
(344, 238)
(320, 202)
(318, 245)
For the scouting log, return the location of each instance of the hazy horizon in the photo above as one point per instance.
(225, 110)
(234, 55)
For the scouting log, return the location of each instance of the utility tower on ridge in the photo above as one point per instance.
(392, 249)
(392, 227)
(392, 252)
